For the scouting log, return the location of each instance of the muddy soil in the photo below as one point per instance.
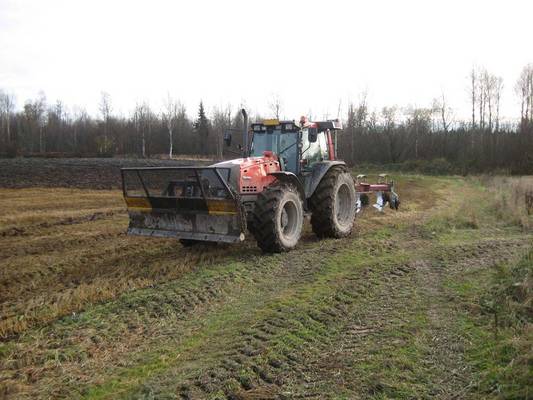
(85, 173)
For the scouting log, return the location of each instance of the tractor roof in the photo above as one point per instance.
(292, 125)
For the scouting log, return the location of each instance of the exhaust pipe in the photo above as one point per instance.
(245, 133)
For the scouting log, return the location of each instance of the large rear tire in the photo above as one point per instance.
(333, 205)
(278, 218)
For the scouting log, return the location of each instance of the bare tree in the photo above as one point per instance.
(357, 120)
(445, 113)
(482, 97)
(473, 98)
(7, 106)
(140, 121)
(524, 88)
(221, 122)
(350, 128)
(170, 116)
(105, 110)
(498, 88)
(419, 121)
(80, 118)
(389, 115)
(39, 118)
(275, 106)
(486, 93)
(488, 84)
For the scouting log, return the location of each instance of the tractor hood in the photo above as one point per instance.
(251, 174)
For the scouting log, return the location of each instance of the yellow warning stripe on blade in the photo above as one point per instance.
(221, 207)
(214, 207)
(138, 203)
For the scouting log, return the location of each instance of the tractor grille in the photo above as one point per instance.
(249, 189)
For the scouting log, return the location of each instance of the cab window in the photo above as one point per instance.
(313, 152)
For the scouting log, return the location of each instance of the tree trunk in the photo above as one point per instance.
(490, 114)
(480, 110)
(8, 131)
(498, 114)
(171, 144)
(143, 149)
(473, 99)
(75, 146)
(41, 147)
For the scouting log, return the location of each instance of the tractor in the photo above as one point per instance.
(288, 170)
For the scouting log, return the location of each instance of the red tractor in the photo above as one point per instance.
(289, 170)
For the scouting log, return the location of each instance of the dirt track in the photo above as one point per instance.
(87, 311)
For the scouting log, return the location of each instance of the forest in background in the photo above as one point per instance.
(431, 138)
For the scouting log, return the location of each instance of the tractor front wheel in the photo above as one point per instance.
(333, 205)
(278, 218)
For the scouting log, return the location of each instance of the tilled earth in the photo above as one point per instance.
(86, 173)
(88, 312)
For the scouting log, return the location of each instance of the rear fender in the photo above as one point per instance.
(289, 177)
(319, 170)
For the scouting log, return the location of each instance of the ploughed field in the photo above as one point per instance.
(85, 173)
(394, 311)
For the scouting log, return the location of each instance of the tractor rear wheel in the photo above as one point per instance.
(333, 205)
(278, 218)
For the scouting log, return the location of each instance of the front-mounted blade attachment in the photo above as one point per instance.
(183, 202)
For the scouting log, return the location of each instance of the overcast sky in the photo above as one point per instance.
(312, 54)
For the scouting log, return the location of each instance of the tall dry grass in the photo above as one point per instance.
(511, 198)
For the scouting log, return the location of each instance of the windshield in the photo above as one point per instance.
(282, 144)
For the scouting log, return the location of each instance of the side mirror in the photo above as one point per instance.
(312, 135)
(227, 139)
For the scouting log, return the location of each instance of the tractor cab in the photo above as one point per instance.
(298, 146)
(279, 137)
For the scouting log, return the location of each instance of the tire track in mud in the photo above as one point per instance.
(104, 274)
(181, 303)
(388, 307)
(32, 229)
(265, 376)
(161, 317)
(171, 304)
(38, 271)
(288, 316)
(365, 304)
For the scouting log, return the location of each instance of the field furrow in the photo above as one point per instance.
(88, 312)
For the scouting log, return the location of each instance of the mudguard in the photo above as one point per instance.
(313, 178)
(289, 177)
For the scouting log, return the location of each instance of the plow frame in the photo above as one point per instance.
(383, 190)
(210, 218)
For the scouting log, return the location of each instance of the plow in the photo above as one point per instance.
(288, 170)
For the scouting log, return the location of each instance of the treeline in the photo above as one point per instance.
(415, 139)
(392, 135)
(46, 129)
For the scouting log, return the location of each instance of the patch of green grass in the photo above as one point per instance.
(394, 367)
(498, 322)
(252, 306)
